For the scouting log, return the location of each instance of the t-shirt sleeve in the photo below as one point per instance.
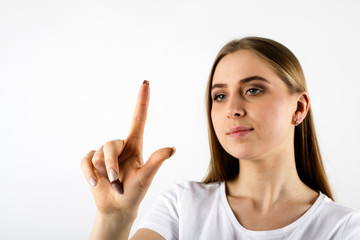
(163, 216)
(352, 227)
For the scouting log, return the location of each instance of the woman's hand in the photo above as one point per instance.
(117, 171)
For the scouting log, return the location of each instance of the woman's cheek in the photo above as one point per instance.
(274, 117)
(214, 119)
(218, 121)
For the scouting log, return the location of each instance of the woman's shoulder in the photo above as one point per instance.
(336, 208)
(190, 189)
(194, 186)
(337, 214)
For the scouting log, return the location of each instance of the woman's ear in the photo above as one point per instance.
(303, 104)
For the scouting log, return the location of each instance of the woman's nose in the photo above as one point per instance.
(235, 108)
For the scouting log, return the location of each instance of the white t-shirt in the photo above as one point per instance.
(194, 210)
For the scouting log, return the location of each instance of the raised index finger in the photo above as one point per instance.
(139, 118)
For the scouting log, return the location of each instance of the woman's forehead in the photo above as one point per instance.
(242, 64)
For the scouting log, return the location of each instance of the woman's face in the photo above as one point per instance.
(248, 94)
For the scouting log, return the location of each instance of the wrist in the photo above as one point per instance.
(112, 225)
(120, 217)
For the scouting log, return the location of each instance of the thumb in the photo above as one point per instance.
(152, 165)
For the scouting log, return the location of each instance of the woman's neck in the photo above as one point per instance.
(267, 180)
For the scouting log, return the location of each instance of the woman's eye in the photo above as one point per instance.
(253, 91)
(219, 97)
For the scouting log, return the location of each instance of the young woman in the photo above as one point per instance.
(266, 178)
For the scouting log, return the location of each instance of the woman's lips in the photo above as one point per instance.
(239, 131)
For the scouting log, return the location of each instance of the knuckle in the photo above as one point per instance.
(98, 163)
(144, 103)
(121, 142)
(139, 119)
(118, 143)
(97, 160)
(85, 159)
(112, 143)
(108, 144)
(91, 152)
(98, 154)
(88, 173)
(86, 170)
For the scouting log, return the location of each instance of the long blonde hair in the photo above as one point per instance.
(308, 159)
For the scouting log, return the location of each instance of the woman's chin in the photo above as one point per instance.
(243, 155)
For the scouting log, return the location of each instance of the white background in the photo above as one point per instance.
(70, 72)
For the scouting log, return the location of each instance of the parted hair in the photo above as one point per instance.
(308, 159)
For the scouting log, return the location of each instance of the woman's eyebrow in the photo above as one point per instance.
(245, 80)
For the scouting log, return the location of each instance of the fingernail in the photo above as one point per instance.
(146, 82)
(173, 152)
(112, 175)
(118, 187)
(92, 182)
